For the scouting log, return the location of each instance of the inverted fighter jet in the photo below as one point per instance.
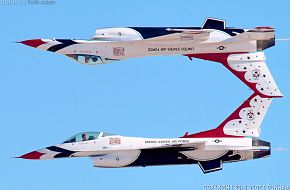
(235, 139)
(239, 50)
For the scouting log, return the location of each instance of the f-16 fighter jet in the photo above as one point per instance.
(235, 139)
(239, 50)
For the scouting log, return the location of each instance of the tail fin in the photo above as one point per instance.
(250, 68)
(244, 121)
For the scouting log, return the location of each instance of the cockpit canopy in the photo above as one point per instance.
(86, 136)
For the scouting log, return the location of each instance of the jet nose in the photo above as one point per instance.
(32, 155)
(33, 43)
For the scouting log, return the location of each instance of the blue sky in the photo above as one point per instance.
(46, 98)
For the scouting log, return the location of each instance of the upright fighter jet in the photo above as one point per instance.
(239, 50)
(235, 139)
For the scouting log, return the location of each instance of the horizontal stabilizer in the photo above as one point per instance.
(210, 166)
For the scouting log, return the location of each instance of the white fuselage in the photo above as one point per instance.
(111, 144)
(141, 48)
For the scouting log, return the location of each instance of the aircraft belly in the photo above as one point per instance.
(161, 156)
(116, 159)
(204, 155)
(176, 156)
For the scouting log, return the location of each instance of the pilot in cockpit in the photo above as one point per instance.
(84, 136)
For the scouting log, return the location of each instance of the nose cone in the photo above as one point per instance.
(32, 155)
(33, 43)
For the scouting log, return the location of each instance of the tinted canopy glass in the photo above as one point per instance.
(85, 136)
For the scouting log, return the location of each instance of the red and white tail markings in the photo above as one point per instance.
(245, 121)
(249, 68)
